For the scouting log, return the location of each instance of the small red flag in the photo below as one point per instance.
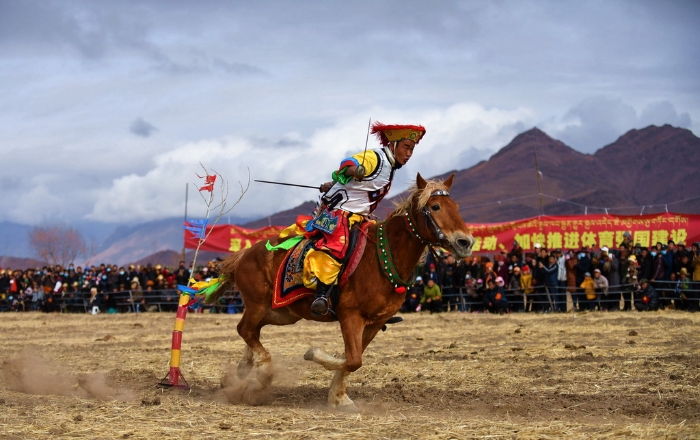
(209, 182)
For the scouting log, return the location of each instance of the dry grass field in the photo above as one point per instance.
(597, 375)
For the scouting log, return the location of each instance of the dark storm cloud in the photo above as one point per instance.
(102, 30)
(142, 128)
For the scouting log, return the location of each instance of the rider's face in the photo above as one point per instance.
(403, 151)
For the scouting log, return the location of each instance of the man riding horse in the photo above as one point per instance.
(358, 186)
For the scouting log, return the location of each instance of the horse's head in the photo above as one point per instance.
(434, 217)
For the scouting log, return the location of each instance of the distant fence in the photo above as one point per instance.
(126, 301)
(452, 299)
(458, 299)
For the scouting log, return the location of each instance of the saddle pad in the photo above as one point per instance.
(289, 284)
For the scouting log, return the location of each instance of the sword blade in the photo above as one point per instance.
(287, 184)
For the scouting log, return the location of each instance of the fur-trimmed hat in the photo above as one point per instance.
(395, 133)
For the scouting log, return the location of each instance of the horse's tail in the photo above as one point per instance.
(227, 271)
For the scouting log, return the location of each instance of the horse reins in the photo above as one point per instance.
(384, 252)
(432, 224)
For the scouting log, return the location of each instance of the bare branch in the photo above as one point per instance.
(220, 206)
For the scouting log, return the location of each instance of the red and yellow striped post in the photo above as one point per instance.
(175, 378)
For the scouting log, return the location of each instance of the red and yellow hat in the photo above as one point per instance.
(395, 133)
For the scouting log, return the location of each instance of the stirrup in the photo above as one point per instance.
(320, 306)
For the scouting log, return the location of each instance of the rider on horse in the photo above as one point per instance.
(358, 186)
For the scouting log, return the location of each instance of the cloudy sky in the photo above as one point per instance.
(108, 108)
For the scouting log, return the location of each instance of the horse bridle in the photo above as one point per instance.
(432, 224)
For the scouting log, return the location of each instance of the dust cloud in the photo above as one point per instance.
(32, 374)
(248, 390)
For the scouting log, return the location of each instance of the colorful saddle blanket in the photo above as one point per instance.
(289, 283)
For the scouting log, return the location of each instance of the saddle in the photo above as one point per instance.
(289, 285)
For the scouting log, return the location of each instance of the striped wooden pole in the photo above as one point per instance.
(175, 378)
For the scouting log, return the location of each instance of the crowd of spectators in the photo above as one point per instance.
(630, 277)
(102, 288)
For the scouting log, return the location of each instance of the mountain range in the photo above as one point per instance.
(643, 170)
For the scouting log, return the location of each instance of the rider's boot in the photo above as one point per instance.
(394, 320)
(320, 305)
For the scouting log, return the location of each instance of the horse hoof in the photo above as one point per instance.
(309, 355)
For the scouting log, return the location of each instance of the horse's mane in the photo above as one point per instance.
(402, 206)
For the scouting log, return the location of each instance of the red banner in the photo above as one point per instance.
(229, 238)
(564, 232)
(575, 232)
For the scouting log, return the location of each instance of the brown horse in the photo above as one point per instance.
(428, 217)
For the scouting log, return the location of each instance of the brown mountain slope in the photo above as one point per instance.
(511, 173)
(657, 165)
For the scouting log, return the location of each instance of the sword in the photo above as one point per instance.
(361, 168)
(287, 184)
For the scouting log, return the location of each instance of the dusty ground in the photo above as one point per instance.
(441, 376)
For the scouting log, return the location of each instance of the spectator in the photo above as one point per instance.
(137, 295)
(516, 252)
(474, 268)
(668, 255)
(646, 264)
(37, 296)
(432, 297)
(602, 286)
(513, 263)
(583, 267)
(489, 274)
(414, 296)
(561, 279)
(550, 272)
(626, 239)
(684, 262)
(686, 292)
(447, 277)
(514, 294)
(681, 292)
(695, 286)
(526, 285)
(571, 286)
(460, 275)
(658, 268)
(631, 280)
(682, 251)
(646, 298)
(50, 304)
(501, 268)
(95, 301)
(588, 288)
(432, 273)
(495, 299)
(182, 275)
(474, 288)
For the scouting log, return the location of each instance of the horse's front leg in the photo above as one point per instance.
(352, 329)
